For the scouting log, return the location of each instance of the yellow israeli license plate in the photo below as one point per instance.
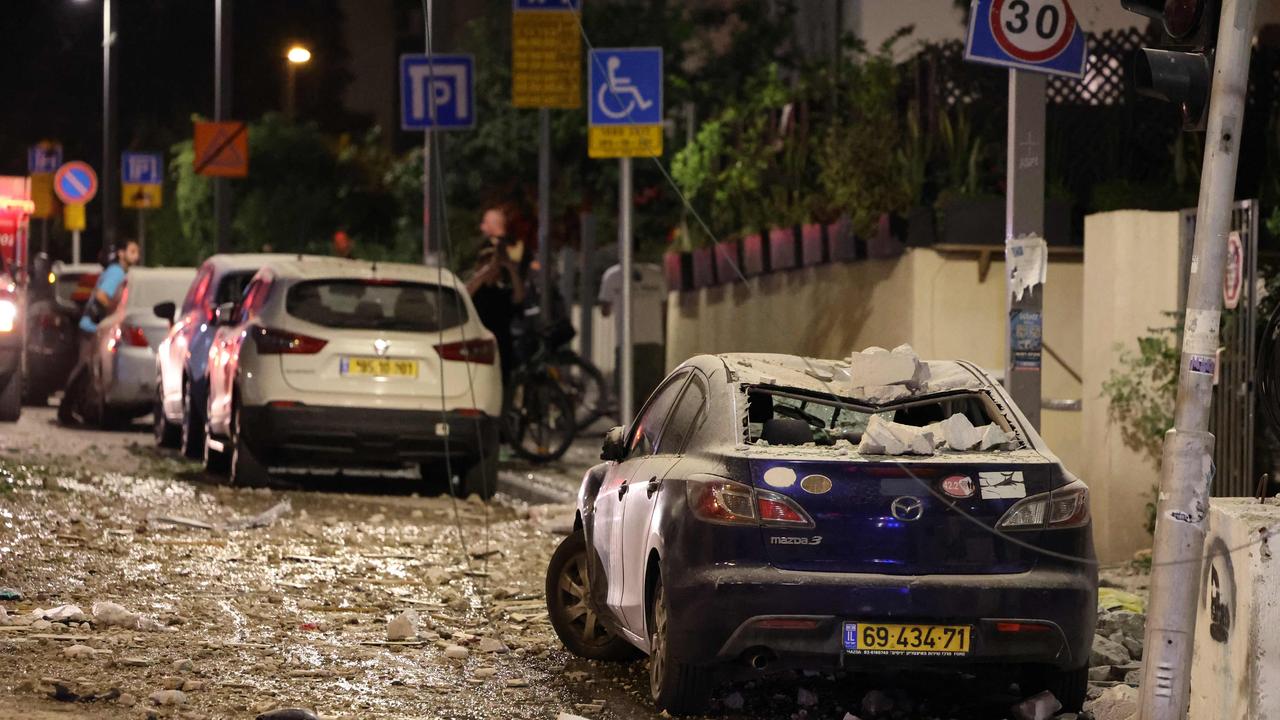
(883, 639)
(379, 367)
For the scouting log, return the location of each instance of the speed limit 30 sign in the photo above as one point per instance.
(1037, 35)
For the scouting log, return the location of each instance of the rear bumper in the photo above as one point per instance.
(721, 609)
(133, 383)
(314, 435)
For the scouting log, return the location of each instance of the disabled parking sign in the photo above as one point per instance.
(1037, 35)
(625, 91)
(437, 92)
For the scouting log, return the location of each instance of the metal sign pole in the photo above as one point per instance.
(626, 385)
(110, 193)
(1024, 217)
(544, 212)
(75, 247)
(587, 289)
(222, 112)
(142, 236)
(429, 254)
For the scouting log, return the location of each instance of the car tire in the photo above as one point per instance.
(1069, 686)
(215, 461)
(167, 434)
(192, 439)
(435, 481)
(244, 468)
(676, 688)
(569, 606)
(11, 399)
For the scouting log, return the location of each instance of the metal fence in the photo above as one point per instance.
(1234, 402)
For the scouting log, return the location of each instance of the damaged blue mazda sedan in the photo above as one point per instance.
(772, 512)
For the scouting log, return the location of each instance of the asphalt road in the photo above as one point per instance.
(242, 620)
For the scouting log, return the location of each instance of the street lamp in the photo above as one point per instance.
(297, 55)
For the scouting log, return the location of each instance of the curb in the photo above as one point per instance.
(533, 490)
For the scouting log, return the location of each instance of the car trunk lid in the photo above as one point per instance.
(905, 517)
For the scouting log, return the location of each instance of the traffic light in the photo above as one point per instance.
(1180, 71)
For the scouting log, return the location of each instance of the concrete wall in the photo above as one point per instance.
(1235, 670)
(1130, 282)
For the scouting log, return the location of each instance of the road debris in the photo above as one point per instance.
(404, 626)
(110, 614)
(1037, 707)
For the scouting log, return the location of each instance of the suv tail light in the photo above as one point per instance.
(129, 335)
(1066, 507)
(8, 315)
(280, 342)
(732, 503)
(483, 352)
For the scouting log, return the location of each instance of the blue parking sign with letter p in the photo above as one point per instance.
(142, 168)
(437, 92)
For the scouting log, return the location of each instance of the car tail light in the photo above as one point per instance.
(8, 315)
(1021, 627)
(722, 501)
(787, 624)
(778, 509)
(1066, 507)
(725, 501)
(280, 342)
(126, 335)
(482, 352)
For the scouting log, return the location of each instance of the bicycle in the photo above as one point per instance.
(538, 416)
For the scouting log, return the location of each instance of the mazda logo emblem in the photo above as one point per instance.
(907, 508)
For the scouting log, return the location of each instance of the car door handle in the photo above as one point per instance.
(652, 486)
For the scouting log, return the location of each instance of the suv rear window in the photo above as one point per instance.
(376, 305)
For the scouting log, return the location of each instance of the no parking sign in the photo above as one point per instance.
(1038, 35)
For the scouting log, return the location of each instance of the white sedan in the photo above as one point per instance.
(330, 364)
(124, 367)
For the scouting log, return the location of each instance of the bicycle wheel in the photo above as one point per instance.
(586, 388)
(541, 423)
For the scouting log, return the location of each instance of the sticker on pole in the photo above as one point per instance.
(626, 103)
(1233, 274)
(75, 183)
(1037, 35)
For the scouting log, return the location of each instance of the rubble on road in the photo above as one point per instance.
(1119, 702)
(108, 614)
(287, 714)
(1037, 707)
(404, 626)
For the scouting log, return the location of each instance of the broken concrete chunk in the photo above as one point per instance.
(62, 614)
(169, 697)
(79, 651)
(288, 714)
(491, 645)
(881, 394)
(806, 698)
(457, 652)
(869, 368)
(888, 438)
(734, 701)
(404, 627)
(993, 438)
(4, 616)
(1107, 652)
(1037, 707)
(567, 716)
(1118, 702)
(960, 434)
(876, 703)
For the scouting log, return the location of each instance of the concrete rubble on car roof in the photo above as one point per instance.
(875, 375)
(889, 438)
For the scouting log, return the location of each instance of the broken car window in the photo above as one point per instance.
(954, 421)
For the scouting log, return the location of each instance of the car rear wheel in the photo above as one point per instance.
(167, 434)
(1069, 686)
(11, 399)
(245, 468)
(676, 687)
(569, 606)
(192, 424)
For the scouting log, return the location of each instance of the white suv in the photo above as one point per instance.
(337, 364)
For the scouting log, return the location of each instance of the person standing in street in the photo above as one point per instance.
(648, 339)
(497, 288)
(104, 299)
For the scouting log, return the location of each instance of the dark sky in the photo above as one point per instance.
(52, 54)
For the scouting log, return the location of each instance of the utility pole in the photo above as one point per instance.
(1187, 468)
(110, 193)
(544, 213)
(1024, 234)
(626, 385)
(430, 254)
(222, 112)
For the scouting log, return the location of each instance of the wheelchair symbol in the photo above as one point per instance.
(619, 87)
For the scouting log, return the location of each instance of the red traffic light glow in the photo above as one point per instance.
(1182, 17)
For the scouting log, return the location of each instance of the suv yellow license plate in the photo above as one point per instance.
(882, 639)
(379, 367)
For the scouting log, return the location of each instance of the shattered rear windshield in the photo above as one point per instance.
(955, 422)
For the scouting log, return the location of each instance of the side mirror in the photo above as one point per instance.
(165, 311)
(224, 314)
(614, 447)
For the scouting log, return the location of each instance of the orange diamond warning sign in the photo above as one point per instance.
(222, 149)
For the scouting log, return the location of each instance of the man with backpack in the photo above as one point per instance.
(104, 299)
